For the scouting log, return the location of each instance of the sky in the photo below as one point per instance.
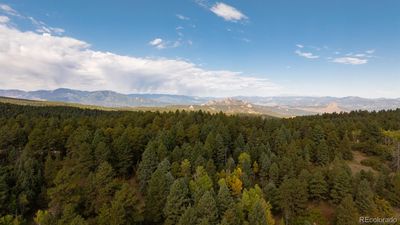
(203, 47)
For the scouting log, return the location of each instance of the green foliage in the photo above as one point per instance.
(318, 187)
(125, 208)
(10, 220)
(71, 217)
(64, 165)
(201, 184)
(188, 217)
(346, 213)
(293, 197)
(157, 191)
(365, 198)
(206, 209)
(147, 165)
(177, 201)
(224, 197)
(342, 185)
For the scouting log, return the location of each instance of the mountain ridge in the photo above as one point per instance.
(285, 105)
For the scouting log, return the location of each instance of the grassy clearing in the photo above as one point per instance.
(356, 166)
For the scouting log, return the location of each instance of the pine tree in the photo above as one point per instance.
(220, 152)
(341, 186)
(274, 173)
(253, 199)
(188, 217)
(271, 195)
(125, 208)
(185, 168)
(147, 165)
(345, 148)
(201, 184)
(233, 216)
(318, 187)
(346, 212)
(257, 214)
(224, 197)
(102, 187)
(364, 199)
(70, 217)
(177, 201)
(207, 209)
(157, 191)
(265, 164)
(293, 197)
(4, 189)
(322, 153)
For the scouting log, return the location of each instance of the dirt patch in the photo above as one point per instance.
(356, 166)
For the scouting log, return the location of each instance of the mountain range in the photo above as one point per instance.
(277, 106)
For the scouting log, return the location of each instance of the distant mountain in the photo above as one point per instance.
(278, 106)
(235, 105)
(325, 104)
(103, 98)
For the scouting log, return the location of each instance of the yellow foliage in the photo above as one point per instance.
(256, 168)
(236, 186)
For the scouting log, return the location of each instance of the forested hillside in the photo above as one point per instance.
(70, 166)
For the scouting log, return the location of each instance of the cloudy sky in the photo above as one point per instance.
(203, 47)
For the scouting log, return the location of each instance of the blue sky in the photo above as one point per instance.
(203, 47)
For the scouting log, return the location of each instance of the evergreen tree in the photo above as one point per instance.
(185, 168)
(341, 186)
(200, 184)
(157, 191)
(70, 217)
(322, 153)
(365, 198)
(4, 190)
(224, 197)
(188, 217)
(177, 201)
(220, 152)
(265, 164)
(257, 214)
(346, 212)
(318, 187)
(293, 197)
(271, 194)
(125, 208)
(207, 209)
(147, 165)
(233, 216)
(274, 173)
(345, 148)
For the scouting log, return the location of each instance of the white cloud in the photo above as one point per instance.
(31, 61)
(182, 17)
(41, 27)
(156, 42)
(4, 19)
(307, 55)
(10, 11)
(300, 46)
(162, 44)
(227, 12)
(246, 40)
(371, 51)
(202, 3)
(350, 60)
